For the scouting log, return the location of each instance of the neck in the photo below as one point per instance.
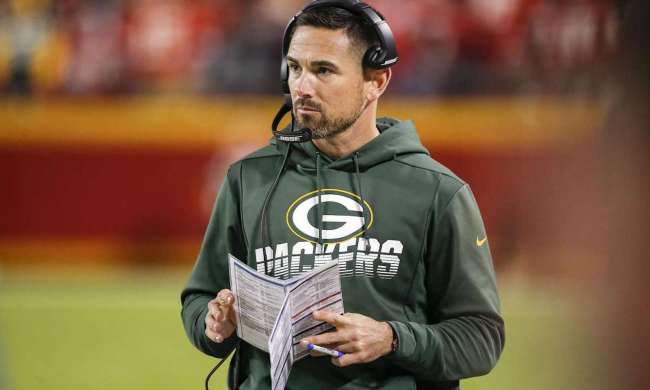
(359, 134)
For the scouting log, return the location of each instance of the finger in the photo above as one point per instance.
(219, 314)
(213, 336)
(349, 359)
(226, 313)
(215, 317)
(213, 307)
(336, 337)
(222, 306)
(224, 329)
(350, 347)
(218, 331)
(216, 311)
(330, 317)
(225, 297)
(210, 323)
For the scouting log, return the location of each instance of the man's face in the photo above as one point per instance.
(326, 80)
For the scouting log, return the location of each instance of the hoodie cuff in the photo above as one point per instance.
(405, 341)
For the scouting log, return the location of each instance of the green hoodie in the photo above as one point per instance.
(411, 248)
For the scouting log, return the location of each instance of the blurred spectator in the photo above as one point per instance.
(233, 46)
(563, 43)
(477, 50)
(33, 48)
(164, 40)
(249, 62)
(97, 61)
(425, 41)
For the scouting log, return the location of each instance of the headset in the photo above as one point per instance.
(379, 56)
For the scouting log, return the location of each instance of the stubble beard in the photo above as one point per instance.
(324, 127)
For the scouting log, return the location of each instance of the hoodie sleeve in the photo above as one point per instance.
(466, 334)
(210, 273)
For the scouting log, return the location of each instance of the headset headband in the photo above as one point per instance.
(376, 57)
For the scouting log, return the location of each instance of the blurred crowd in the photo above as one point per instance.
(447, 47)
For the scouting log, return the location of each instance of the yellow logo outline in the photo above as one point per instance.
(480, 243)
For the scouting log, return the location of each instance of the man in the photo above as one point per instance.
(422, 310)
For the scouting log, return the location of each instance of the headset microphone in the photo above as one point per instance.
(302, 135)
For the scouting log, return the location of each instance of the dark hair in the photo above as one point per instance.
(359, 30)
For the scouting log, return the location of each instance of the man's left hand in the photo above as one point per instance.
(361, 338)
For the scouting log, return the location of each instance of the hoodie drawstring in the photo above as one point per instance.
(363, 201)
(318, 209)
(263, 225)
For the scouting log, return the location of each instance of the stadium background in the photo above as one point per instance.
(118, 119)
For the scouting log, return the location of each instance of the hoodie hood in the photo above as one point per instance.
(396, 138)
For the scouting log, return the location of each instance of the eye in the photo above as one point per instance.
(293, 68)
(324, 71)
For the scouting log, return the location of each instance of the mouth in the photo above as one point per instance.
(307, 110)
(303, 108)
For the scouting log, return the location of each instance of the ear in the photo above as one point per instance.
(376, 82)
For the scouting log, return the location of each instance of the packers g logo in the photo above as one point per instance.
(345, 224)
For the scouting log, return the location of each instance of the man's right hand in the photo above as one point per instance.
(220, 322)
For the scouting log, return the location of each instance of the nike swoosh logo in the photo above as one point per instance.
(480, 242)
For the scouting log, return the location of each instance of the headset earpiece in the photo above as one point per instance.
(373, 57)
(284, 76)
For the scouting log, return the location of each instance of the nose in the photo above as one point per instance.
(304, 86)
